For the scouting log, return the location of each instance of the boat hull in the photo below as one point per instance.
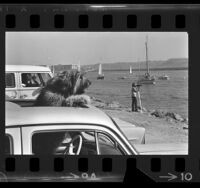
(100, 77)
(146, 82)
(163, 78)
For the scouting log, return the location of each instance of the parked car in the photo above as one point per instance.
(23, 80)
(46, 120)
(67, 130)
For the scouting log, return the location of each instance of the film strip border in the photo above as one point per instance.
(114, 168)
(84, 21)
(83, 18)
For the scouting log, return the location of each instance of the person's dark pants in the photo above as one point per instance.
(134, 104)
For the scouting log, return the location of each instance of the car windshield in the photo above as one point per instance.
(130, 144)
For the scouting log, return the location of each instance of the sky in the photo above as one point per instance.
(48, 48)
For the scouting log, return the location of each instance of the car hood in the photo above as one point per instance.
(162, 149)
(133, 134)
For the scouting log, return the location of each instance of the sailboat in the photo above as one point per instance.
(163, 77)
(131, 70)
(100, 74)
(146, 78)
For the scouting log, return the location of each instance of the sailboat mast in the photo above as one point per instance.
(139, 66)
(146, 46)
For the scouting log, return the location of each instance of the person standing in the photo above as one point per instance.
(134, 97)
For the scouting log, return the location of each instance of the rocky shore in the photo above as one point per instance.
(161, 127)
(168, 116)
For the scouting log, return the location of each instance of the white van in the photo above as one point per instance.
(22, 80)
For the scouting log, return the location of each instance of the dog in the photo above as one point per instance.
(65, 89)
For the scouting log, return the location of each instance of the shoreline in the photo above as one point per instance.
(155, 112)
(158, 129)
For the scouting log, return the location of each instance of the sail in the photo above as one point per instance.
(100, 69)
(130, 70)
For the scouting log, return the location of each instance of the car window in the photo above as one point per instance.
(30, 80)
(10, 80)
(45, 77)
(8, 144)
(34, 79)
(107, 146)
(64, 142)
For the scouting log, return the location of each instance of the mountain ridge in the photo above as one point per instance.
(176, 63)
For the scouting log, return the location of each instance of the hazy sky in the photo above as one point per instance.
(92, 47)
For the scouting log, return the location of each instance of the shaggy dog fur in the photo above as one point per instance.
(65, 89)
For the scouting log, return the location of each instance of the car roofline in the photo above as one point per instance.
(33, 115)
(27, 68)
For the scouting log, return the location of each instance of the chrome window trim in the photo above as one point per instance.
(10, 138)
(97, 142)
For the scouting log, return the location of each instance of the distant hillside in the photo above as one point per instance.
(175, 63)
(179, 63)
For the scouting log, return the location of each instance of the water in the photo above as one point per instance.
(168, 95)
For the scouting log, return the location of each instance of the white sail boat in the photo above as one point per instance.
(147, 78)
(130, 70)
(100, 74)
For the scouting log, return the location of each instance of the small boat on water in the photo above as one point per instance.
(122, 78)
(146, 78)
(163, 77)
(100, 74)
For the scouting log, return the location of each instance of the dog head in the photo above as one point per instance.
(68, 83)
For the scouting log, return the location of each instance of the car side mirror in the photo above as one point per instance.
(23, 85)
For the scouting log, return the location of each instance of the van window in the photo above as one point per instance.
(10, 80)
(34, 79)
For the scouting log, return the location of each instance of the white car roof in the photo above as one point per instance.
(26, 68)
(19, 116)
